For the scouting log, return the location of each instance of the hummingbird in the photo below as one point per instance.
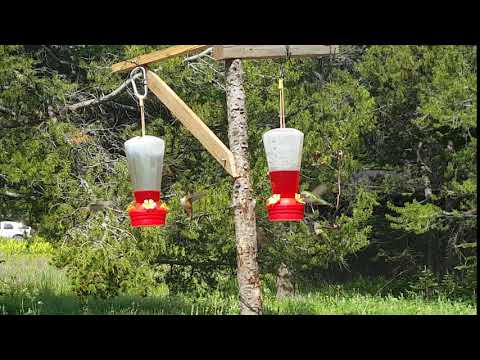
(99, 205)
(188, 200)
(318, 228)
(315, 197)
(95, 206)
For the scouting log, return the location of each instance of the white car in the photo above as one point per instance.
(15, 230)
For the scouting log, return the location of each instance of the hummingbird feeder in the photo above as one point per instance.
(283, 147)
(145, 164)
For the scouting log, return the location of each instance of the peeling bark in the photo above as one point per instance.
(243, 201)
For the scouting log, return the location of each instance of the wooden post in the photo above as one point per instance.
(243, 201)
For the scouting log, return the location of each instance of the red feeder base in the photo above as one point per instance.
(287, 209)
(151, 217)
(147, 210)
(285, 182)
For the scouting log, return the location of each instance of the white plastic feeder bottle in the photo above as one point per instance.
(145, 165)
(284, 148)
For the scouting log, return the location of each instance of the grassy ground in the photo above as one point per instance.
(29, 285)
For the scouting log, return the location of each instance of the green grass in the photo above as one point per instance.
(29, 285)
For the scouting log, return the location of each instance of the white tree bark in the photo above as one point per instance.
(243, 201)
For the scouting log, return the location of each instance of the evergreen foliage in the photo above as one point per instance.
(390, 133)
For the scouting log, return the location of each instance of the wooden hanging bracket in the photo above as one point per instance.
(192, 122)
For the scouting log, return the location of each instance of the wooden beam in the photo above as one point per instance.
(192, 122)
(222, 52)
(156, 56)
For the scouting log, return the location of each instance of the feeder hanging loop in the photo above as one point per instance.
(282, 103)
(282, 88)
(140, 97)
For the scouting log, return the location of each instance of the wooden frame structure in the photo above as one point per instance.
(235, 160)
(185, 114)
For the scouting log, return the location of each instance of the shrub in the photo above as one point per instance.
(35, 246)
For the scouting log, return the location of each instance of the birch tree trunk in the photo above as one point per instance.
(243, 202)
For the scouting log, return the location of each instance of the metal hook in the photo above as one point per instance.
(145, 85)
(140, 97)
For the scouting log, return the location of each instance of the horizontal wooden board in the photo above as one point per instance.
(222, 52)
(156, 56)
(192, 122)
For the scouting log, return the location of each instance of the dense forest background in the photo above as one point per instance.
(390, 138)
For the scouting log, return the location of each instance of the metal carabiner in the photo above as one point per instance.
(140, 97)
(145, 85)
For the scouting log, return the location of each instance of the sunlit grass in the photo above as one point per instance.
(29, 285)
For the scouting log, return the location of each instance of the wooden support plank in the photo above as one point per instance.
(192, 122)
(156, 56)
(222, 52)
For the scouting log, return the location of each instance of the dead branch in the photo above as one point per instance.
(8, 111)
(205, 264)
(102, 99)
(195, 57)
(467, 214)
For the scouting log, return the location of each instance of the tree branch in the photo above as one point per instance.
(195, 57)
(102, 99)
(164, 261)
(15, 195)
(467, 214)
(8, 111)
